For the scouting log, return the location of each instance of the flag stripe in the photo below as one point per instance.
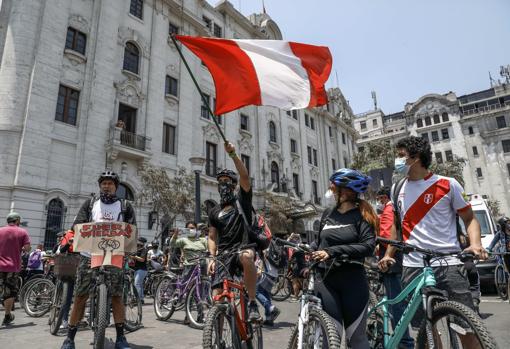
(231, 69)
(317, 61)
(420, 208)
(283, 80)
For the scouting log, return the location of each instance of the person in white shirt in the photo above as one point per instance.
(155, 256)
(427, 207)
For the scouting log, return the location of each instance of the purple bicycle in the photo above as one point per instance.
(190, 290)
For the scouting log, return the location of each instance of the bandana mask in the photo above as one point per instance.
(227, 194)
(108, 198)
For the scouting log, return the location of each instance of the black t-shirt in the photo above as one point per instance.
(141, 265)
(229, 223)
(346, 234)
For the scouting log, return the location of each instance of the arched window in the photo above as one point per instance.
(54, 222)
(428, 121)
(445, 117)
(275, 176)
(123, 192)
(131, 58)
(272, 131)
(419, 123)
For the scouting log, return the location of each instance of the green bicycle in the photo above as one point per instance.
(448, 324)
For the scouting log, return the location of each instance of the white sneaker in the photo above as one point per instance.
(64, 325)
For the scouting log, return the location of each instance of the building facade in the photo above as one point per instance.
(89, 85)
(475, 127)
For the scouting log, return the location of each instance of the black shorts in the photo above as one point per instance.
(452, 279)
(227, 266)
(8, 285)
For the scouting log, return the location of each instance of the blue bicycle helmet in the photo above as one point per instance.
(352, 179)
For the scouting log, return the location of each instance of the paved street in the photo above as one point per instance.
(34, 333)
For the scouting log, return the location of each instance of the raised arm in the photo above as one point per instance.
(244, 177)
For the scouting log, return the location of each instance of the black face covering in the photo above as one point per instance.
(227, 194)
(107, 198)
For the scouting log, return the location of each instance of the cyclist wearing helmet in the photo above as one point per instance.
(107, 208)
(346, 229)
(227, 231)
(503, 237)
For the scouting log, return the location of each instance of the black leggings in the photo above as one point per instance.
(344, 295)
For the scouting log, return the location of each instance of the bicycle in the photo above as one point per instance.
(192, 292)
(501, 276)
(445, 320)
(315, 328)
(132, 303)
(151, 282)
(282, 288)
(229, 313)
(38, 296)
(65, 271)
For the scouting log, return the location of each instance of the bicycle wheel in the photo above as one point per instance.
(453, 323)
(256, 341)
(319, 332)
(282, 289)
(164, 303)
(154, 285)
(375, 325)
(501, 282)
(38, 298)
(133, 309)
(56, 313)
(220, 330)
(25, 287)
(102, 314)
(198, 303)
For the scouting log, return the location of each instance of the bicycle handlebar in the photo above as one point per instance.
(303, 247)
(407, 248)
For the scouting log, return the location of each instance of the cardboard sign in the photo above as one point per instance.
(107, 242)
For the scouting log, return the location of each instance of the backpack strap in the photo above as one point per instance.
(241, 211)
(123, 210)
(93, 200)
(395, 192)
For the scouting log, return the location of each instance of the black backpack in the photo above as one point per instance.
(276, 255)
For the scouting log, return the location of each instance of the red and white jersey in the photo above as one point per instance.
(428, 209)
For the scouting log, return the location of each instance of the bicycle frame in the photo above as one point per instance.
(425, 279)
(228, 296)
(184, 285)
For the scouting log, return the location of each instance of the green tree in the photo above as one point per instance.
(375, 155)
(495, 207)
(278, 209)
(169, 196)
(452, 169)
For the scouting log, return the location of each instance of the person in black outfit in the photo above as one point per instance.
(228, 231)
(140, 267)
(347, 231)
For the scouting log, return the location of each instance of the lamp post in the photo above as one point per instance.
(197, 163)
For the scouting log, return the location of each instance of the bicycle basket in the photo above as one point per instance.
(66, 265)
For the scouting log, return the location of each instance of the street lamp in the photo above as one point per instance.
(197, 163)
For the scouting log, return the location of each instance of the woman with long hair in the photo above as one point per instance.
(347, 231)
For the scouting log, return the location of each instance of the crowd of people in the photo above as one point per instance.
(421, 209)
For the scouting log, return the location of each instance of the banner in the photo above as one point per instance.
(107, 242)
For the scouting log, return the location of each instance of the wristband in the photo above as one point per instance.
(232, 154)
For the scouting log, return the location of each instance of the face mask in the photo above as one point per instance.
(227, 194)
(379, 207)
(401, 166)
(107, 198)
(329, 198)
(193, 233)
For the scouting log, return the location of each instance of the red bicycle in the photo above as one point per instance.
(226, 326)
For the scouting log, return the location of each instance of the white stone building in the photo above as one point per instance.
(475, 127)
(71, 69)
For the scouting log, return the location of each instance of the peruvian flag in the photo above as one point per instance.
(283, 74)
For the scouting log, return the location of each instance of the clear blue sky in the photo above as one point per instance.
(402, 49)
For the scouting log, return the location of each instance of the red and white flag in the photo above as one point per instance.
(282, 74)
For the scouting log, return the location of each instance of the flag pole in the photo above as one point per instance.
(204, 100)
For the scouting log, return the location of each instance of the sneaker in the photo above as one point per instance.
(268, 323)
(68, 344)
(274, 313)
(8, 319)
(294, 299)
(121, 343)
(253, 312)
(64, 325)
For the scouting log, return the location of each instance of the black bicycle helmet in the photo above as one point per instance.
(109, 175)
(227, 173)
(503, 221)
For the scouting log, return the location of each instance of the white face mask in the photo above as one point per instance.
(379, 206)
(329, 198)
(401, 166)
(193, 233)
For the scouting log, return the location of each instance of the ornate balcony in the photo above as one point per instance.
(129, 145)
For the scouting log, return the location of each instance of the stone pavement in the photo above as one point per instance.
(34, 333)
